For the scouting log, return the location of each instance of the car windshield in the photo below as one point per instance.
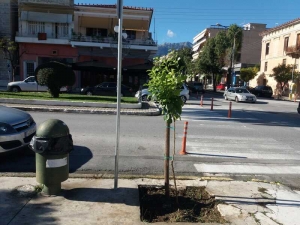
(241, 90)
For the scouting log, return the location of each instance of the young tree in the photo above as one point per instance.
(10, 50)
(248, 73)
(282, 74)
(166, 79)
(55, 75)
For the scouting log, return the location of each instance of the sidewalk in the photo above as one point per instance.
(94, 201)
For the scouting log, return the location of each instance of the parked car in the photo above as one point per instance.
(239, 95)
(262, 91)
(29, 84)
(184, 94)
(221, 87)
(195, 87)
(107, 89)
(16, 129)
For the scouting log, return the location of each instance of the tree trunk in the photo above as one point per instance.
(228, 77)
(167, 157)
(214, 82)
(13, 73)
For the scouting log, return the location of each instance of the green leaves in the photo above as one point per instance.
(166, 80)
(248, 73)
(55, 75)
(282, 73)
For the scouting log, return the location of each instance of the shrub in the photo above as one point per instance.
(55, 75)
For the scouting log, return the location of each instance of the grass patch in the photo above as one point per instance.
(65, 97)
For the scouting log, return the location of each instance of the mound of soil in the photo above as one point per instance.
(194, 205)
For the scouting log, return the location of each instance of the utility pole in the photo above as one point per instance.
(120, 18)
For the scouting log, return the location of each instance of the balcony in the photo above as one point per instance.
(108, 42)
(42, 38)
(293, 51)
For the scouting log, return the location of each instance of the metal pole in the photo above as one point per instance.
(232, 72)
(120, 15)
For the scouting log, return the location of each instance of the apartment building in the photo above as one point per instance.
(8, 27)
(84, 36)
(95, 39)
(249, 54)
(280, 44)
(44, 33)
(200, 39)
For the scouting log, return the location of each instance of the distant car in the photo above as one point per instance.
(298, 109)
(195, 87)
(262, 91)
(239, 95)
(107, 89)
(221, 87)
(184, 94)
(16, 129)
(29, 84)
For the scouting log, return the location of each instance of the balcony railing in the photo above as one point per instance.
(48, 36)
(293, 51)
(112, 40)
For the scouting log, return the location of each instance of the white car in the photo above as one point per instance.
(184, 94)
(29, 84)
(16, 129)
(239, 95)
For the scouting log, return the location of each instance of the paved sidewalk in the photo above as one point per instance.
(94, 201)
(149, 109)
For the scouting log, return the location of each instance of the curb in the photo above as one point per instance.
(92, 111)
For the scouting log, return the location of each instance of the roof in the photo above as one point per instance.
(284, 25)
(114, 6)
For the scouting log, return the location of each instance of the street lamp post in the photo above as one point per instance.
(119, 29)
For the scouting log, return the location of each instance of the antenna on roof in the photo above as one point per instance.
(154, 30)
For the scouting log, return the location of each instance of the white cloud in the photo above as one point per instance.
(170, 33)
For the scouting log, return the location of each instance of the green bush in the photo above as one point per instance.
(55, 75)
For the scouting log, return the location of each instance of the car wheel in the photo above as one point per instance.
(89, 93)
(145, 98)
(15, 89)
(236, 99)
(225, 97)
(183, 98)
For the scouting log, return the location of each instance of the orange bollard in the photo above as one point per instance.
(183, 148)
(201, 102)
(229, 111)
(212, 104)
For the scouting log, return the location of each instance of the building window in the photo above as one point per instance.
(62, 29)
(36, 27)
(266, 66)
(286, 43)
(298, 41)
(131, 34)
(96, 32)
(284, 61)
(267, 48)
(29, 69)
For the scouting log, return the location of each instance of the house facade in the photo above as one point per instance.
(44, 33)
(280, 44)
(83, 36)
(95, 39)
(8, 27)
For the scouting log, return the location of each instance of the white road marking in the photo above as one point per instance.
(246, 169)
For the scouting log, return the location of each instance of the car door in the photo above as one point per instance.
(112, 89)
(100, 89)
(229, 93)
(29, 84)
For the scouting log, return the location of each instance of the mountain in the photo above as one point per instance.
(164, 48)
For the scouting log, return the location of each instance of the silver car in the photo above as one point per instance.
(239, 95)
(184, 94)
(16, 129)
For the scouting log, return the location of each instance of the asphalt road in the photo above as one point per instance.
(260, 140)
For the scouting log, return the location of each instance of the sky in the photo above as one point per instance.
(180, 20)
